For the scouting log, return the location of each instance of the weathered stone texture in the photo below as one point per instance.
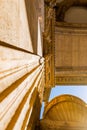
(33, 19)
(21, 70)
(71, 49)
(14, 27)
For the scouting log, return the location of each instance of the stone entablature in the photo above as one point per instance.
(70, 46)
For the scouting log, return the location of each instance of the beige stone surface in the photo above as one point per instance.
(21, 64)
(15, 18)
(70, 56)
(30, 64)
(70, 49)
(19, 78)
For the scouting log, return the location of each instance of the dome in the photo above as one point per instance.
(65, 112)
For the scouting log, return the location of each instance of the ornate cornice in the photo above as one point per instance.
(71, 25)
(61, 125)
(74, 29)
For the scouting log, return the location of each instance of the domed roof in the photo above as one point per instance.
(66, 110)
(66, 107)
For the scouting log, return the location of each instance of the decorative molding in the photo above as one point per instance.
(71, 80)
(49, 48)
(75, 26)
(70, 30)
(71, 69)
(78, 27)
(46, 124)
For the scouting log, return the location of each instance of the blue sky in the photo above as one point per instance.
(79, 91)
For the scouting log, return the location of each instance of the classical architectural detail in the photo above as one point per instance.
(49, 48)
(71, 80)
(71, 25)
(21, 68)
(39, 50)
(70, 55)
(65, 112)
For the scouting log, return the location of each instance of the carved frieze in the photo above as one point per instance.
(49, 47)
(71, 80)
